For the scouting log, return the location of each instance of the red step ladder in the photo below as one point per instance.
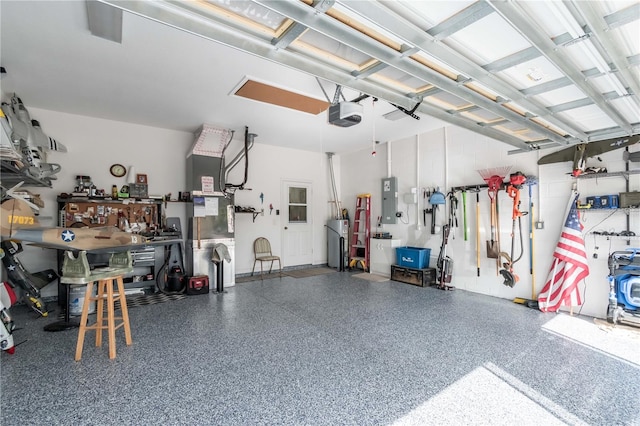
(360, 239)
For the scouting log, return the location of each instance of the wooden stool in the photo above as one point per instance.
(105, 292)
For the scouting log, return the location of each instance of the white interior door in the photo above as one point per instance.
(297, 223)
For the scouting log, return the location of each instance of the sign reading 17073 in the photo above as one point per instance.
(20, 220)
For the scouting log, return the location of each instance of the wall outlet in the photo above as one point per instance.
(540, 225)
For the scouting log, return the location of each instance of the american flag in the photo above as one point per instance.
(569, 265)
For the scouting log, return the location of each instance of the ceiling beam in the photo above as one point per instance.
(531, 31)
(578, 103)
(513, 60)
(460, 20)
(582, 102)
(378, 12)
(371, 69)
(546, 87)
(327, 26)
(611, 133)
(219, 30)
(297, 29)
(623, 16)
(600, 28)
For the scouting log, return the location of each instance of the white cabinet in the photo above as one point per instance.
(383, 255)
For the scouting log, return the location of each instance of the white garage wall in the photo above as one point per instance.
(94, 144)
(269, 166)
(455, 162)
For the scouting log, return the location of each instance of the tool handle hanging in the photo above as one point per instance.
(464, 214)
(478, 231)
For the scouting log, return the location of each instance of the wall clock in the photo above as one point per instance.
(118, 170)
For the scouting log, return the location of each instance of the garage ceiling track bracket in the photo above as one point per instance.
(560, 73)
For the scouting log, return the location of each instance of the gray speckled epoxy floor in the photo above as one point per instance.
(324, 350)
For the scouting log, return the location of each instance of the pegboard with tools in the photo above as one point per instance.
(126, 215)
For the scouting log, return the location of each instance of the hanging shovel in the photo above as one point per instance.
(493, 248)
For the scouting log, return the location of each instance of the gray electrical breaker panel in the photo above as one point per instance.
(389, 200)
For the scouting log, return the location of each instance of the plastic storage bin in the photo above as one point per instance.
(609, 201)
(413, 257)
(603, 202)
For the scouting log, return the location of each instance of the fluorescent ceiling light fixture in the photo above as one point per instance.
(395, 115)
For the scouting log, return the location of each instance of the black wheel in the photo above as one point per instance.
(610, 315)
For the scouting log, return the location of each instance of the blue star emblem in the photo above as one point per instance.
(68, 236)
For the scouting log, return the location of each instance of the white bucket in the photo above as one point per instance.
(76, 300)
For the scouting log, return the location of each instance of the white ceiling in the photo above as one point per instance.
(163, 77)
(179, 79)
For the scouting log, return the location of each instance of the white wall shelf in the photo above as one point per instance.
(626, 210)
(624, 174)
(617, 237)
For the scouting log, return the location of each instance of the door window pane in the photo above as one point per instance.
(297, 195)
(297, 214)
(297, 205)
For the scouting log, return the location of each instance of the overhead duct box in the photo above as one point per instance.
(345, 114)
(205, 162)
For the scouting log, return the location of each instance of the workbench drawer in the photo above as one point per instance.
(420, 277)
(144, 257)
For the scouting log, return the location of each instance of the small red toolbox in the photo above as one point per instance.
(198, 285)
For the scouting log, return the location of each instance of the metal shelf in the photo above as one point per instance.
(624, 174)
(617, 237)
(626, 210)
(11, 175)
(254, 213)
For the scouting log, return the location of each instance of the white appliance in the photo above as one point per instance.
(200, 260)
(337, 228)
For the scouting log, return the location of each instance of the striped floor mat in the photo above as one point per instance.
(150, 299)
(308, 272)
(140, 300)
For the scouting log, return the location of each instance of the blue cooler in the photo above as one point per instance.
(413, 257)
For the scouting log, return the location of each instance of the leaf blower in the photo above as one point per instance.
(516, 180)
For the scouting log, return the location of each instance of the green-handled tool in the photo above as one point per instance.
(464, 213)
(478, 229)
